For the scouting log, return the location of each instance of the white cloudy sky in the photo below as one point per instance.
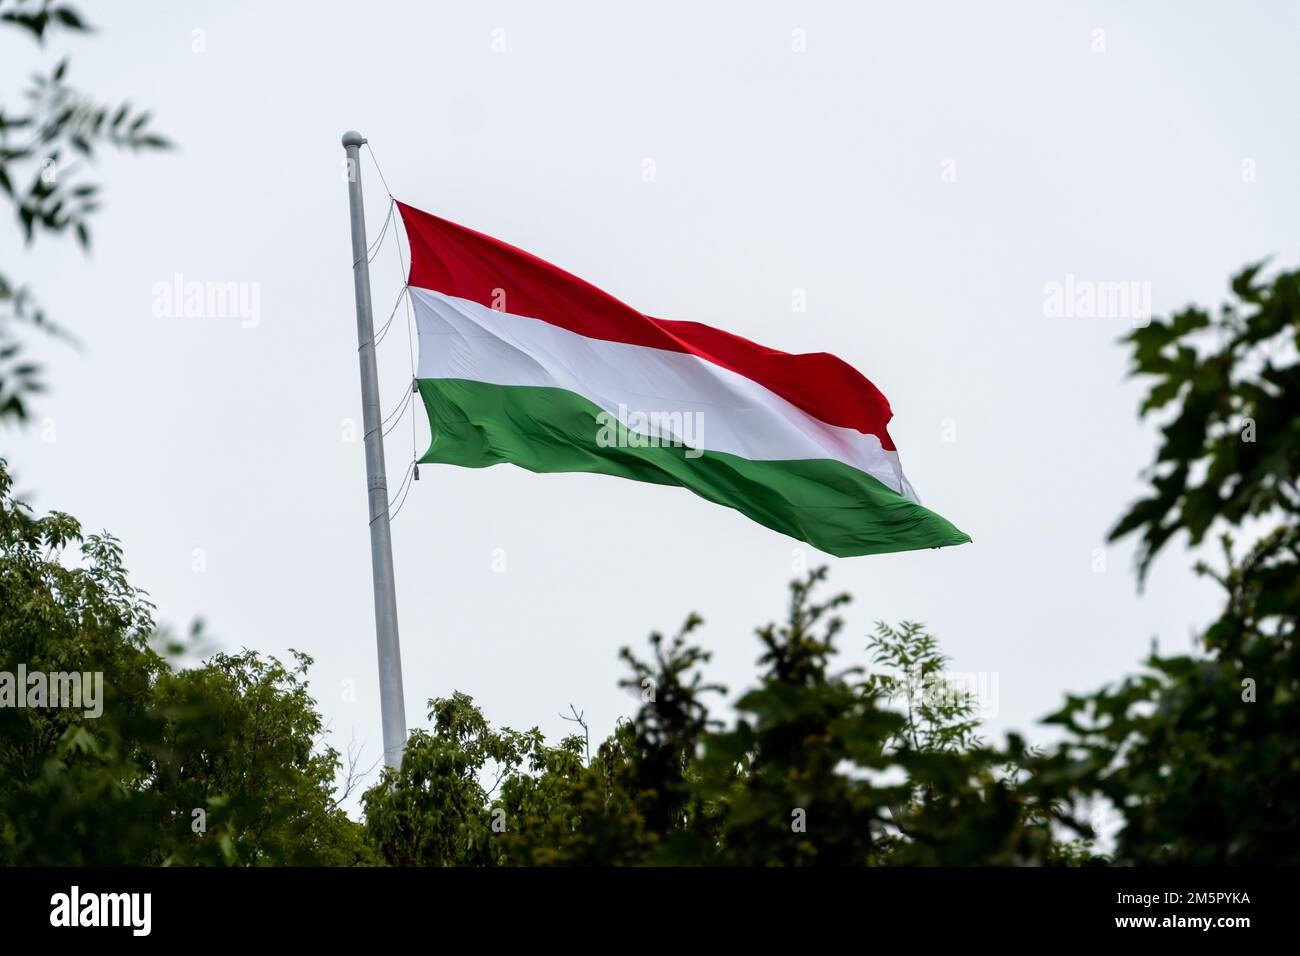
(775, 171)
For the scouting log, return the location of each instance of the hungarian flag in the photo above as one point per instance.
(522, 362)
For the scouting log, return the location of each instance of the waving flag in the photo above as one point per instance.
(522, 362)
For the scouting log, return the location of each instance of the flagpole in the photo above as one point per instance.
(391, 705)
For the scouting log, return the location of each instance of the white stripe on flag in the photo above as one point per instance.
(463, 339)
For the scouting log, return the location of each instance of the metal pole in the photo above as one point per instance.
(391, 705)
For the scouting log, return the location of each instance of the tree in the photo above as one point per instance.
(42, 147)
(1199, 753)
(222, 763)
(800, 777)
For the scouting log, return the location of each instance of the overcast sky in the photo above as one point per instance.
(921, 171)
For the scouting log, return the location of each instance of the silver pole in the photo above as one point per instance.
(391, 706)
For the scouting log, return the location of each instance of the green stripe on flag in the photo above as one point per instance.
(826, 503)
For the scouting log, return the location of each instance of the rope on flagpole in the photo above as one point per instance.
(374, 246)
(371, 150)
(400, 410)
(403, 490)
(384, 331)
(410, 320)
(410, 316)
(382, 232)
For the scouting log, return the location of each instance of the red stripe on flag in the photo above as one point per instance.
(453, 260)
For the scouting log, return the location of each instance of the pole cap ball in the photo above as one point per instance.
(352, 138)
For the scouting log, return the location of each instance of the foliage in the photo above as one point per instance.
(800, 777)
(1199, 753)
(1231, 451)
(42, 147)
(939, 715)
(435, 809)
(237, 738)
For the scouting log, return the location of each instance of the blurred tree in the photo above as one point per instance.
(1199, 754)
(41, 149)
(1231, 450)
